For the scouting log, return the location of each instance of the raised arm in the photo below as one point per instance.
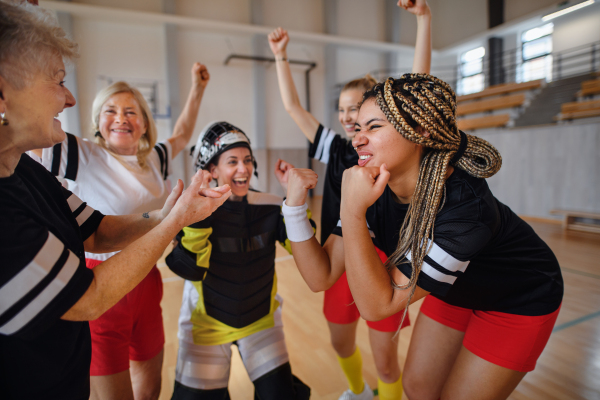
(278, 40)
(184, 128)
(121, 273)
(369, 280)
(320, 266)
(422, 59)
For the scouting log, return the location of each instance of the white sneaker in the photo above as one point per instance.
(366, 394)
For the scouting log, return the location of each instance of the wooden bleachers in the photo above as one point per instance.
(580, 106)
(504, 88)
(579, 220)
(579, 109)
(496, 103)
(490, 121)
(496, 97)
(590, 88)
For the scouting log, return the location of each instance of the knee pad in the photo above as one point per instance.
(182, 392)
(279, 383)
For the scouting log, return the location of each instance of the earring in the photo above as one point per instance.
(3, 121)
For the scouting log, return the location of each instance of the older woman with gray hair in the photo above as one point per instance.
(47, 294)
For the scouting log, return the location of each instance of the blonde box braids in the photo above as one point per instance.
(426, 101)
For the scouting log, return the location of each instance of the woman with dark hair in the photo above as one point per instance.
(493, 288)
(47, 294)
(336, 151)
(230, 293)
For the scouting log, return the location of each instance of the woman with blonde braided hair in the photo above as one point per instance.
(419, 194)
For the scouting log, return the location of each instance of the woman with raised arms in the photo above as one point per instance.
(493, 288)
(337, 152)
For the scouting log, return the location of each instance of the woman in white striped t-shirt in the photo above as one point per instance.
(125, 172)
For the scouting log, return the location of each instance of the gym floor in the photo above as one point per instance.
(568, 368)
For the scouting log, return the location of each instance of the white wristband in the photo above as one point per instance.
(297, 225)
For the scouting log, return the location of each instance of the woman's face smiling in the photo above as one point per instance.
(235, 168)
(348, 109)
(122, 123)
(378, 142)
(33, 110)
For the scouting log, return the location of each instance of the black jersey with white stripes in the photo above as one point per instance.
(331, 149)
(42, 275)
(483, 256)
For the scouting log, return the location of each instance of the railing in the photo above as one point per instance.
(574, 61)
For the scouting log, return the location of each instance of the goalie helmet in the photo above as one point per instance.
(215, 139)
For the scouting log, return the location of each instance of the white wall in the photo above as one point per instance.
(228, 95)
(121, 51)
(220, 10)
(514, 9)
(139, 5)
(577, 28)
(548, 167)
(457, 20)
(304, 15)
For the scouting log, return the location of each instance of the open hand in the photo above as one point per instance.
(361, 187)
(282, 169)
(198, 201)
(300, 180)
(200, 75)
(278, 40)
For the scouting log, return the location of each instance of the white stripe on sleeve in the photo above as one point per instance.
(320, 147)
(327, 147)
(64, 153)
(85, 214)
(74, 202)
(44, 298)
(433, 273)
(32, 274)
(445, 260)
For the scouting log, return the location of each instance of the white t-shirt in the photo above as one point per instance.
(99, 179)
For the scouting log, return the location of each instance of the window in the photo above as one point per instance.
(536, 53)
(471, 78)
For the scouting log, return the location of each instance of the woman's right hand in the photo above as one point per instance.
(278, 40)
(198, 201)
(300, 180)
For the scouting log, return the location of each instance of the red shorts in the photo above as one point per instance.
(339, 306)
(508, 340)
(132, 329)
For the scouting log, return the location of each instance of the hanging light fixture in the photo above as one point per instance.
(567, 10)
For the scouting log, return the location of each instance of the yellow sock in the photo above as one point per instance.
(352, 367)
(390, 391)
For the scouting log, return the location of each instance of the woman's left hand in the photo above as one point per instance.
(205, 190)
(361, 187)
(200, 75)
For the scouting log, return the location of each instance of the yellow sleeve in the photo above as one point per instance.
(196, 241)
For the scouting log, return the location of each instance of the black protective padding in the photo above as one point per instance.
(182, 392)
(183, 262)
(280, 384)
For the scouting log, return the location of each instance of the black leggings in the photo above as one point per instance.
(277, 384)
